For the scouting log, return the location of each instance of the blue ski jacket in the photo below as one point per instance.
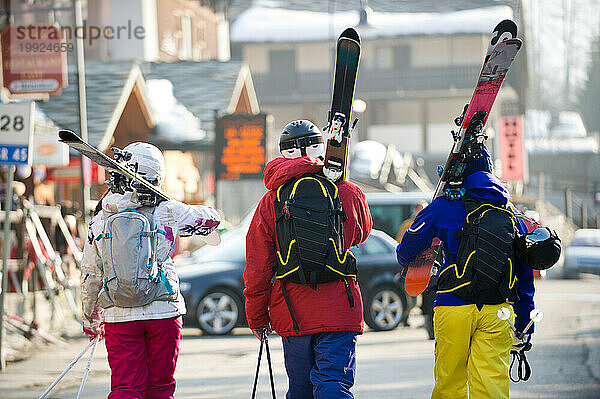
(443, 218)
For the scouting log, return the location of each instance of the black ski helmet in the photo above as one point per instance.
(300, 134)
(539, 249)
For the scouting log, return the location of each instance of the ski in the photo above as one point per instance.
(338, 125)
(122, 179)
(468, 141)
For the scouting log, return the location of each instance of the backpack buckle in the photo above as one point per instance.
(286, 210)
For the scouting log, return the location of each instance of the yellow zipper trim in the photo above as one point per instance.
(512, 216)
(307, 178)
(338, 272)
(288, 253)
(455, 288)
(290, 272)
(510, 285)
(442, 272)
(456, 268)
(336, 252)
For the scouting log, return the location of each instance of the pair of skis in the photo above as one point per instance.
(121, 178)
(468, 141)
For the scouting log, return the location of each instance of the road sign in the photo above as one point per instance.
(34, 58)
(16, 133)
(511, 148)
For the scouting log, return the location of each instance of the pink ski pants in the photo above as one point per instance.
(142, 356)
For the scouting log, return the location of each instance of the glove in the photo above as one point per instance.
(521, 345)
(92, 330)
(258, 332)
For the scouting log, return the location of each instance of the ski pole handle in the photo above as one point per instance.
(56, 381)
(504, 314)
(535, 316)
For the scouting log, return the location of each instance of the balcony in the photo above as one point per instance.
(286, 87)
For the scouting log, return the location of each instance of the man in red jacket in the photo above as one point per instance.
(317, 322)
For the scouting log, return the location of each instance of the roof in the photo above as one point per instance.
(104, 84)
(266, 24)
(202, 87)
(237, 7)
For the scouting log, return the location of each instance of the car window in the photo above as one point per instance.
(389, 217)
(586, 240)
(231, 249)
(374, 246)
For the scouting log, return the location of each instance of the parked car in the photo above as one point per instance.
(583, 255)
(389, 210)
(211, 281)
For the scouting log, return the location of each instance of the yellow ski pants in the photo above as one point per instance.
(472, 350)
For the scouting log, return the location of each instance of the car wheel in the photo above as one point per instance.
(218, 311)
(384, 308)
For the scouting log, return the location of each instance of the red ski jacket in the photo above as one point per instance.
(325, 309)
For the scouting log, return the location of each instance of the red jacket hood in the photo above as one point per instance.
(280, 170)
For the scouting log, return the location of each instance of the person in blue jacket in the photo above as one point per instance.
(472, 345)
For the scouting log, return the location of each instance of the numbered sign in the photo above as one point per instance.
(16, 131)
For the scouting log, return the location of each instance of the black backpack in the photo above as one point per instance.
(486, 266)
(310, 237)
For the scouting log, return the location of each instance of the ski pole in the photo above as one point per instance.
(56, 381)
(269, 362)
(504, 314)
(535, 316)
(257, 368)
(87, 368)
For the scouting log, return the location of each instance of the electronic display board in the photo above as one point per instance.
(240, 146)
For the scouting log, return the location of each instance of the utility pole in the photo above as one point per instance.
(80, 58)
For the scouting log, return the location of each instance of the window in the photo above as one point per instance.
(389, 217)
(378, 112)
(384, 58)
(282, 61)
(186, 38)
(231, 249)
(402, 57)
(374, 246)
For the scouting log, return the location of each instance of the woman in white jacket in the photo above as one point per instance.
(142, 332)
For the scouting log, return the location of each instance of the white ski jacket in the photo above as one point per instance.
(174, 217)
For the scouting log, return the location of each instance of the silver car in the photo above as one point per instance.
(583, 255)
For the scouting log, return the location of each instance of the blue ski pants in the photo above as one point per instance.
(320, 366)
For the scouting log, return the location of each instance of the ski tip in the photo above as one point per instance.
(350, 33)
(509, 42)
(507, 25)
(67, 135)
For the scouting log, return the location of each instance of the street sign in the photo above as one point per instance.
(34, 59)
(16, 133)
(511, 148)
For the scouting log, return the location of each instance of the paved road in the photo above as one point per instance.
(397, 364)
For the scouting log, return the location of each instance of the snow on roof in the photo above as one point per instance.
(272, 24)
(556, 145)
(173, 120)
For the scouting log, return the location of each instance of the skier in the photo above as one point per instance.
(472, 344)
(129, 240)
(315, 309)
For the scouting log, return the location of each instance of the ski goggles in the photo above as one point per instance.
(301, 142)
(539, 234)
